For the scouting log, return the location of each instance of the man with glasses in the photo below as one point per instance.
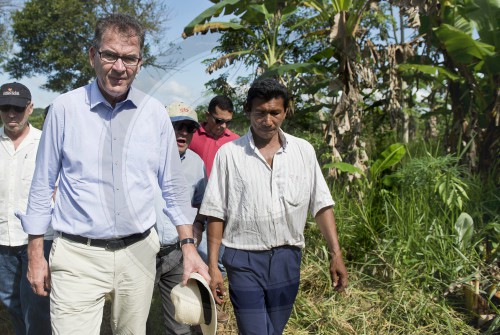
(29, 312)
(169, 259)
(109, 143)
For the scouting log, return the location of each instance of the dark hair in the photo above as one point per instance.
(123, 23)
(266, 89)
(222, 102)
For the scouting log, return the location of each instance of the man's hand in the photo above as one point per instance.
(338, 272)
(38, 269)
(193, 263)
(217, 285)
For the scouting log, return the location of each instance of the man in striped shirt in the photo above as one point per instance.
(261, 188)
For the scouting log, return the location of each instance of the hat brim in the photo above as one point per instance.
(14, 101)
(211, 328)
(184, 118)
(195, 295)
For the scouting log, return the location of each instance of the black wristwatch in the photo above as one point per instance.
(187, 241)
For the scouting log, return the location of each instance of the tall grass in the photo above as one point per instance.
(405, 249)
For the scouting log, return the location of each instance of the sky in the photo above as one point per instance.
(185, 83)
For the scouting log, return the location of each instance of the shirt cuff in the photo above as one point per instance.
(34, 225)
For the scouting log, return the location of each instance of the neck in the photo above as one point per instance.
(273, 142)
(113, 100)
(17, 137)
(211, 133)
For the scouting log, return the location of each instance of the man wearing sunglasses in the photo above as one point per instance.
(30, 313)
(215, 131)
(169, 262)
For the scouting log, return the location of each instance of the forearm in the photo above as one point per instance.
(185, 231)
(35, 247)
(214, 238)
(328, 227)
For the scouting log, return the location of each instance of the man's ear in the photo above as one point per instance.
(91, 56)
(30, 108)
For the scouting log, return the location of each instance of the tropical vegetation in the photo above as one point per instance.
(401, 101)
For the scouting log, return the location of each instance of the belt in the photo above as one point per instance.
(108, 244)
(167, 249)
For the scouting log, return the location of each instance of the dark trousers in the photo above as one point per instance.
(263, 286)
(30, 312)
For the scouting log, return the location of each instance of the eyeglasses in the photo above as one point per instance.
(110, 57)
(190, 127)
(220, 121)
(7, 108)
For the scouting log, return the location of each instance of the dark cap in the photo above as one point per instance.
(14, 94)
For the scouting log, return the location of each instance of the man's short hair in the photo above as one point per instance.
(266, 89)
(123, 23)
(222, 102)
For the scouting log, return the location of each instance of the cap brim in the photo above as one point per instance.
(13, 101)
(184, 118)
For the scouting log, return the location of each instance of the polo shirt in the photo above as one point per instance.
(206, 146)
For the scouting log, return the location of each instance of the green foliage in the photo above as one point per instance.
(388, 158)
(464, 228)
(54, 37)
(5, 36)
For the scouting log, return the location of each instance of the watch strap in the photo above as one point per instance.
(188, 240)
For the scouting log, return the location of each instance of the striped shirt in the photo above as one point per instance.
(265, 207)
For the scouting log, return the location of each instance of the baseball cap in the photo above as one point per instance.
(179, 111)
(14, 94)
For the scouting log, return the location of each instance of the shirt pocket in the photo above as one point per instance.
(296, 189)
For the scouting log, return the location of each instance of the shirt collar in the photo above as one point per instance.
(282, 135)
(96, 98)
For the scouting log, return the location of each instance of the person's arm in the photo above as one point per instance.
(215, 228)
(191, 259)
(338, 272)
(198, 227)
(177, 200)
(38, 273)
(39, 212)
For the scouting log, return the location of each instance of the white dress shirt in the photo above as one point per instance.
(16, 172)
(265, 207)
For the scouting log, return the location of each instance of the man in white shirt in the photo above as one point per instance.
(258, 196)
(169, 261)
(19, 144)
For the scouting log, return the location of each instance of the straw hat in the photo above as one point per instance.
(195, 305)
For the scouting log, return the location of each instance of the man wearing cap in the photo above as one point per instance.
(110, 145)
(19, 144)
(169, 260)
(211, 135)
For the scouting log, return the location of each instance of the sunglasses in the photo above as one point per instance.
(190, 127)
(7, 108)
(220, 121)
